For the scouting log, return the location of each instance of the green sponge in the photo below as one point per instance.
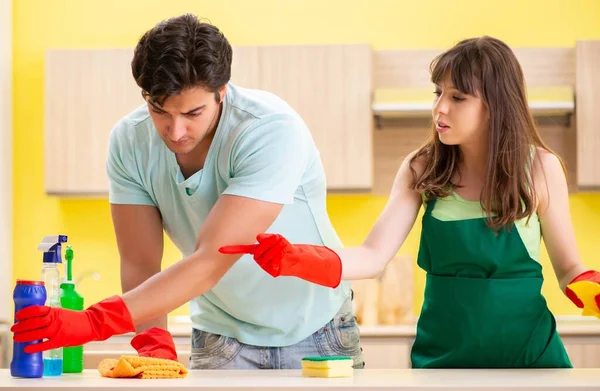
(327, 366)
(326, 358)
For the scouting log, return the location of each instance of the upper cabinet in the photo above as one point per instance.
(563, 88)
(588, 114)
(88, 91)
(365, 109)
(330, 86)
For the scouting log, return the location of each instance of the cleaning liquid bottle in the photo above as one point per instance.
(27, 293)
(70, 299)
(51, 246)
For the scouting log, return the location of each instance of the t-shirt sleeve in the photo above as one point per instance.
(269, 160)
(125, 185)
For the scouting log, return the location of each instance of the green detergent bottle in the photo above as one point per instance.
(69, 298)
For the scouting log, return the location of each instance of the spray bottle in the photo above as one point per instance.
(70, 299)
(51, 246)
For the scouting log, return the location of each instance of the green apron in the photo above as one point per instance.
(483, 306)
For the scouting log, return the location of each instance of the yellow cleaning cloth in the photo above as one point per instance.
(586, 291)
(142, 368)
(335, 366)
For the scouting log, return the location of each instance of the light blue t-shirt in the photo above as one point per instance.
(262, 150)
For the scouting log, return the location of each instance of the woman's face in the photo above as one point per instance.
(458, 118)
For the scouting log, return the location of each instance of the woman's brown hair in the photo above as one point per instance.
(488, 68)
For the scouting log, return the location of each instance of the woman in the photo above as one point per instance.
(484, 178)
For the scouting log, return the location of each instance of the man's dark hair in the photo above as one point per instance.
(180, 53)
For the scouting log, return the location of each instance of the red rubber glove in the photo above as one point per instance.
(590, 275)
(62, 327)
(155, 342)
(317, 264)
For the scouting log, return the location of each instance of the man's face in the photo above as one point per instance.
(185, 119)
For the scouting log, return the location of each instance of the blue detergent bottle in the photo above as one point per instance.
(51, 246)
(25, 294)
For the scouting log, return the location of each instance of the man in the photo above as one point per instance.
(211, 163)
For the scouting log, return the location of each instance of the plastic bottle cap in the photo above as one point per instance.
(29, 282)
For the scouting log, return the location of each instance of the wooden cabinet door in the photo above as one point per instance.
(88, 91)
(330, 87)
(588, 114)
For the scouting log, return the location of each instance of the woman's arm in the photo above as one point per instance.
(555, 218)
(390, 230)
(327, 267)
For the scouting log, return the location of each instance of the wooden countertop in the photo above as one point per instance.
(363, 380)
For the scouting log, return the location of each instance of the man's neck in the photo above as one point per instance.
(192, 162)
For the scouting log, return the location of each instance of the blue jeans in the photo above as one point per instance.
(339, 337)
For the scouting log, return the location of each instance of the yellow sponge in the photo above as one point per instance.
(327, 366)
(328, 372)
(142, 368)
(586, 291)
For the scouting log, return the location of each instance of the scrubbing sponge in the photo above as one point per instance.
(327, 366)
(142, 368)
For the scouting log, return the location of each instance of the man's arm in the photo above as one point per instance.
(139, 234)
(136, 219)
(233, 219)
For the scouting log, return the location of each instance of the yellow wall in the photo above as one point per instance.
(42, 24)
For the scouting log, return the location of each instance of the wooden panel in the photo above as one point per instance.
(559, 133)
(301, 77)
(245, 68)
(543, 67)
(576, 354)
(591, 355)
(357, 118)
(330, 88)
(6, 344)
(588, 113)
(86, 93)
(392, 144)
(386, 353)
(583, 350)
(402, 68)
(547, 67)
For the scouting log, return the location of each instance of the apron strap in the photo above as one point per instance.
(429, 206)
